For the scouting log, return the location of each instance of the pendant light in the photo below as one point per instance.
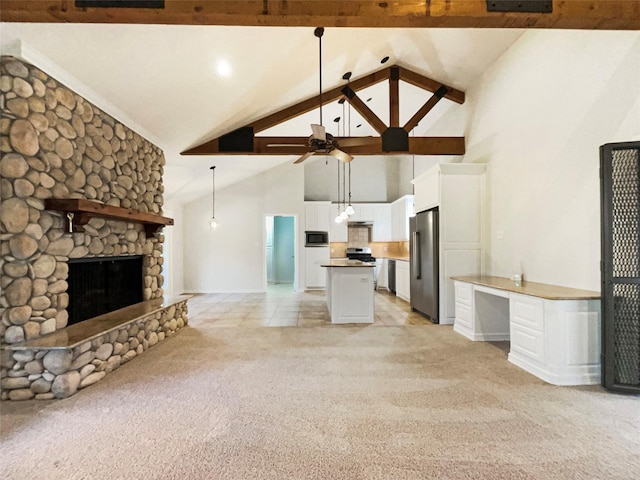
(213, 223)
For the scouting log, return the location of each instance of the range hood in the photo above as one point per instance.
(360, 224)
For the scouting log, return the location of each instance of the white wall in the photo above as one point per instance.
(232, 258)
(173, 270)
(373, 179)
(538, 118)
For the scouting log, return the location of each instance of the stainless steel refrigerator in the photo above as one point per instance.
(423, 244)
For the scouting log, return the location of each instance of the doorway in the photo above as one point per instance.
(280, 251)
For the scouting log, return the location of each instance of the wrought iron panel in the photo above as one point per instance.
(620, 171)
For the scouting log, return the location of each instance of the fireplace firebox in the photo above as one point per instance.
(100, 285)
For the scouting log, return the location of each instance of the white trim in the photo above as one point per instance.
(20, 49)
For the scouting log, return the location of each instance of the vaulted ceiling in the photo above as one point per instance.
(183, 85)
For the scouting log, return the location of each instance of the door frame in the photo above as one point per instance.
(296, 249)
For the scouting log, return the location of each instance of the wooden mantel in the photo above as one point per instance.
(79, 211)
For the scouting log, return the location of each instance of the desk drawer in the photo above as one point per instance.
(464, 316)
(527, 342)
(527, 311)
(463, 293)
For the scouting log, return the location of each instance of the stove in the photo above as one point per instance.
(362, 254)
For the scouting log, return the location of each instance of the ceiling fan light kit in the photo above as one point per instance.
(320, 141)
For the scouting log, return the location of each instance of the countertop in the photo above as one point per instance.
(78, 333)
(347, 263)
(542, 290)
(388, 257)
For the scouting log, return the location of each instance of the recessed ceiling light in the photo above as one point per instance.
(223, 69)
(384, 60)
(369, 99)
(359, 125)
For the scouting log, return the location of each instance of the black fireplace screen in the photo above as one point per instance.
(103, 284)
(620, 166)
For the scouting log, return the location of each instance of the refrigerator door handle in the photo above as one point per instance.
(415, 256)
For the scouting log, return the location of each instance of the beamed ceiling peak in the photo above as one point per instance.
(392, 139)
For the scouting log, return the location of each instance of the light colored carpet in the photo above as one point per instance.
(326, 402)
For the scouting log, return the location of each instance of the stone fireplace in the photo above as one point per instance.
(55, 144)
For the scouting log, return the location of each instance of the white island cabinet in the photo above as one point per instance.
(350, 291)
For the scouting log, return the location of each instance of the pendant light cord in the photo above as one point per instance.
(319, 31)
(213, 192)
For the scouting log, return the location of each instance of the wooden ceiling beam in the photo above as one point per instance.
(572, 14)
(298, 146)
(361, 107)
(313, 102)
(426, 108)
(426, 83)
(394, 97)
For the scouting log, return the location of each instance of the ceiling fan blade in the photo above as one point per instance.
(305, 156)
(340, 155)
(296, 145)
(319, 132)
(357, 141)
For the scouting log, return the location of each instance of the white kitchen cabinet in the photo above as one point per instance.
(315, 274)
(317, 216)
(403, 285)
(366, 213)
(400, 211)
(458, 191)
(381, 223)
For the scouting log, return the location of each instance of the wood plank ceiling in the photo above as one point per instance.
(565, 14)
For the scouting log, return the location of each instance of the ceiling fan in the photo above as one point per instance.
(320, 141)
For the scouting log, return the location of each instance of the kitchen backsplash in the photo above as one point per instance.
(378, 249)
(359, 237)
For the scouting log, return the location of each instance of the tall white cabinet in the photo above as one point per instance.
(458, 191)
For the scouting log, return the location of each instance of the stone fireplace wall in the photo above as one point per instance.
(54, 143)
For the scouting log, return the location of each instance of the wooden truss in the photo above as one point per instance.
(394, 139)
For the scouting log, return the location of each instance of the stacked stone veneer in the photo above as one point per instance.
(60, 372)
(54, 143)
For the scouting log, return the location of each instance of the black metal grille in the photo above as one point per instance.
(620, 164)
(626, 205)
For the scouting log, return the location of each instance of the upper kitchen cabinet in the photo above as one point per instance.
(458, 190)
(381, 223)
(400, 211)
(317, 216)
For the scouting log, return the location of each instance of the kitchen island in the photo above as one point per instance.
(350, 291)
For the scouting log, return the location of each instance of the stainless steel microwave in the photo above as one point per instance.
(316, 239)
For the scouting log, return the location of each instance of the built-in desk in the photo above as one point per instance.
(554, 331)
